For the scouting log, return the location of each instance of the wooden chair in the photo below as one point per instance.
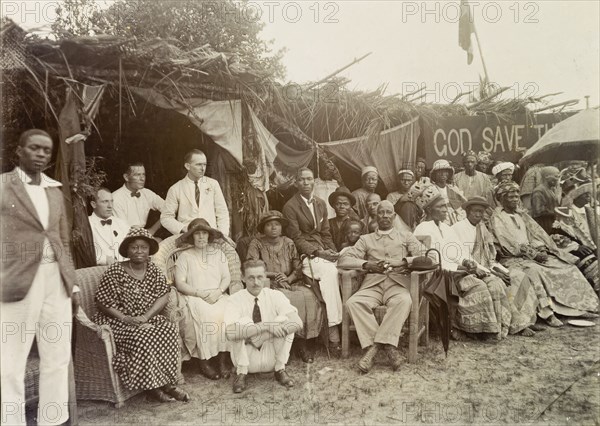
(418, 320)
(95, 347)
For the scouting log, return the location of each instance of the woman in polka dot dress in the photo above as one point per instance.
(130, 297)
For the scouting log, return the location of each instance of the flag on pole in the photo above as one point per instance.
(465, 28)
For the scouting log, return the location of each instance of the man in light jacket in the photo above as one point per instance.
(195, 196)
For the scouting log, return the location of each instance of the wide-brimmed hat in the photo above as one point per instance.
(196, 225)
(422, 263)
(475, 201)
(269, 216)
(440, 165)
(341, 191)
(580, 190)
(136, 234)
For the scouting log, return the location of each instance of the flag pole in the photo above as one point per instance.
(487, 77)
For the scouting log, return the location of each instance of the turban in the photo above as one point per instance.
(501, 167)
(484, 156)
(424, 195)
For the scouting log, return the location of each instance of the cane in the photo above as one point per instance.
(312, 278)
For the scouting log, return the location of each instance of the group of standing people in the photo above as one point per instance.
(511, 271)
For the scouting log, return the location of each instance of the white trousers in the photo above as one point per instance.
(45, 313)
(327, 274)
(272, 356)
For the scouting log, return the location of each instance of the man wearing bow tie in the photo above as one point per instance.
(108, 230)
(133, 202)
(195, 196)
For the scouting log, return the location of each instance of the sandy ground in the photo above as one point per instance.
(552, 378)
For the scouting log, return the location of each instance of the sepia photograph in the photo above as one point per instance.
(315, 212)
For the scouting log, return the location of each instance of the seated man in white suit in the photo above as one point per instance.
(195, 196)
(108, 230)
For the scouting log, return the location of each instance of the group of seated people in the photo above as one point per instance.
(508, 274)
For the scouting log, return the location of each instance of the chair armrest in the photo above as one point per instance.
(102, 332)
(173, 310)
(348, 279)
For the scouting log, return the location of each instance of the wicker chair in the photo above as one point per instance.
(95, 377)
(165, 259)
(418, 320)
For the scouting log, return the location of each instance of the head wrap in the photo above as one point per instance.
(504, 188)
(500, 167)
(483, 156)
(469, 153)
(368, 169)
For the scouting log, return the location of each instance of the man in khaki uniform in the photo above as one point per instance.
(384, 255)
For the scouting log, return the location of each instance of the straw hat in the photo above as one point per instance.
(269, 216)
(136, 234)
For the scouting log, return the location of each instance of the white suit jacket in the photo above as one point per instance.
(180, 206)
(107, 238)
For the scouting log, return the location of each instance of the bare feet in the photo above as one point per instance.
(528, 332)
(554, 322)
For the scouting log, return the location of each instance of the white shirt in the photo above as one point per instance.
(134, 210)
(39, 198)
(445, 240)
(310, 203)
(107, 238)
(272, 303)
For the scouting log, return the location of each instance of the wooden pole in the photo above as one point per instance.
(595, 207)
(323, 80)
(487, 76)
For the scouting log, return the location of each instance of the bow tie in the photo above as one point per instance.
(106, 222)
(136, 194)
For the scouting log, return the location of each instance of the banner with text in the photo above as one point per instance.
(505, 140)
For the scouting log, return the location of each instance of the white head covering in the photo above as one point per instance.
(368, 169)
(408, 172)
(501, 167)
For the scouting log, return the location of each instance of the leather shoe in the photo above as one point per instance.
(175, 392)
(239, 383)
(305, 351)
(394, 355)
(282, 377)
(207, 370)
(368, 359)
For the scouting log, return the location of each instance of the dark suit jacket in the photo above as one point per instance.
(23, 236)
(308, 236)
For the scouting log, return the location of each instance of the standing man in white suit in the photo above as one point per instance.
(195, 196)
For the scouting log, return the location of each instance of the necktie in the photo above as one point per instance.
(197, 192)
(136, 194)
(106, 222)
(256, 317)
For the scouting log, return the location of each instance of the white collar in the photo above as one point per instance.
(309, 200)
(45, 180)
(98, 218)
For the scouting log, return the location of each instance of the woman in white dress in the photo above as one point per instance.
(202, 277)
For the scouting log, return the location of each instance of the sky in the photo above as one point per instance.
(534, 47)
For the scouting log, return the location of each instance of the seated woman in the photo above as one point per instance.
(130, 297)
(283, 268)
(482, 305)
(523, 244)
(202, 277)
